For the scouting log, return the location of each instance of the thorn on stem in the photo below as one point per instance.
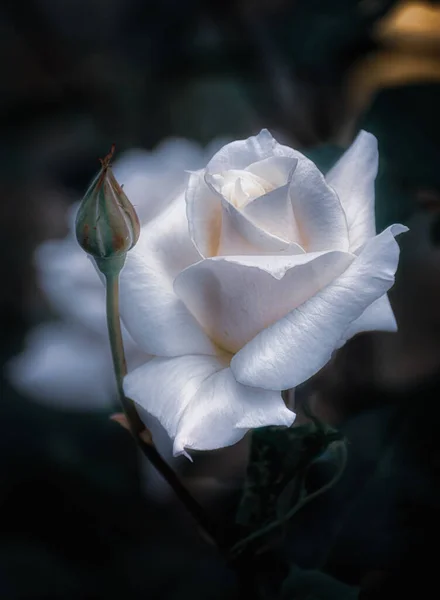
(121, 419)
(145, 435)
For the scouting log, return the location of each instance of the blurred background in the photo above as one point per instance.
(79, 518)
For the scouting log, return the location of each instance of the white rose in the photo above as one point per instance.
(246, 286)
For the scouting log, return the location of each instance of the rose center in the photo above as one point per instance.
(241, 187)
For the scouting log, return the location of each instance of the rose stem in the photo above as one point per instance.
(134, 421)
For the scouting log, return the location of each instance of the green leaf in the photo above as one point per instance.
(276, 481)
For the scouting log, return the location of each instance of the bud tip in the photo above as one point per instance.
(106, 161)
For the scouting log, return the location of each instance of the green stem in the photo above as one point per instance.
(111, 270)
(117, 348)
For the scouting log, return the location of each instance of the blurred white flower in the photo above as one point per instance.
(247, 285)
(67, 363)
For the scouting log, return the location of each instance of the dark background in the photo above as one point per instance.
(77, 75)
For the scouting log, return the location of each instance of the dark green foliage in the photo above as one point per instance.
(405, 122)
(315, 585)
(277, 482)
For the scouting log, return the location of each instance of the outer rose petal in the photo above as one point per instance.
(165, 386)
(223, 410)
(157, 320)
(234, 298)
(353, 179)
(317, 209)
(200, 404)
(298, 345)
(378, 316)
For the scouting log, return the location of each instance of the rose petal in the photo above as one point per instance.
(273, 211)
(204, 209)
(353, 179)
(198, 402)
(240, 235)
(204, 214)
(294, 348)
(214, 228)
(248, 185)
(223, 410)
(317, 209)
(378, 316)
(217, 227)
(165, 386)
(234, 298)
(242, 153)
(276, 170)
(157, 320)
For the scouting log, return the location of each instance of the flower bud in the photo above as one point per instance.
(106, 224)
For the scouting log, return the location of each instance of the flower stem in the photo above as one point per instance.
(111, 269)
